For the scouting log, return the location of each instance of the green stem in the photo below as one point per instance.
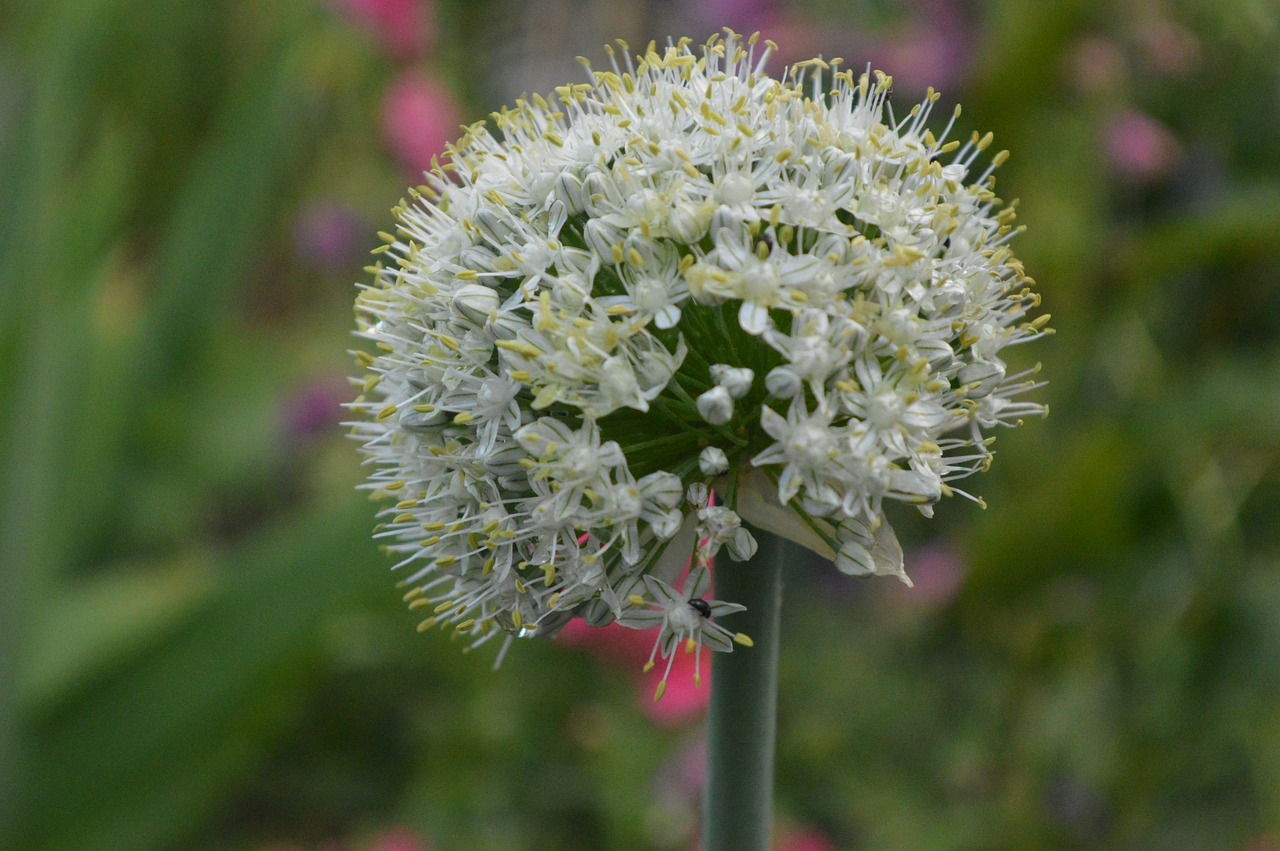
(738, 807)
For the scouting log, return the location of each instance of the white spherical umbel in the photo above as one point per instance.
(570, 318)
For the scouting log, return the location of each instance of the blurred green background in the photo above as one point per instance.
(202, 648)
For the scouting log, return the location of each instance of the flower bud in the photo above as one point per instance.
(475, 302)
(782, 382)
(712, 461)
(716, 406)
(737, 380)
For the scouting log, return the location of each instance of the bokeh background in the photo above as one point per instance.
(202, 648)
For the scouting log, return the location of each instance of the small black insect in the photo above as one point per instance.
(701, 606)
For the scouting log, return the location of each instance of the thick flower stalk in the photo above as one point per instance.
(614, 325)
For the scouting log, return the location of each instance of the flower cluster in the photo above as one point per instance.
(675, 298)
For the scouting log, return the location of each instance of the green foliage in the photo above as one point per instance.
(203, 648)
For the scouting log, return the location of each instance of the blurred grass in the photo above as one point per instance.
(203, 649)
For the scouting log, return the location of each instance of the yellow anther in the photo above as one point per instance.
(519, 347)
(743, 639)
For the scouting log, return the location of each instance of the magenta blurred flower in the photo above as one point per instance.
(1139, 148)
(934, 53)
(938, 572)
(805, 839)
(399, 839)
(392, 839)
(315, 408)
(682, 700)
(614, 643)
(329, 236)
(685, 697)
(419, 117)
(404, 27)
(741, 15)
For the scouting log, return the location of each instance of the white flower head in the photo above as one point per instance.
(570, 318)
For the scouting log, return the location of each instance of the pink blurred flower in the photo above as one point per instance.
(685, 698)
(405, 27)
(614, 643)
(932, 54)
(314, 408)
(329, 236)
(1139, 148)
(938, 573)
(419, 118)
(742, 15)
(805, 839)
(399, 839)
